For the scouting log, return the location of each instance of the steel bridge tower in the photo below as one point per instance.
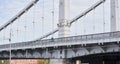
(63, 26)
(64, 18)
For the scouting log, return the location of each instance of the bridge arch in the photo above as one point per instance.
(82, 51)
(46, 54)
(37, 55)
(70, 53)
(96, 49)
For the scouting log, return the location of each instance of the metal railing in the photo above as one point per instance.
(62, 41)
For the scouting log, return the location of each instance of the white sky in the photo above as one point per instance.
(91, 23)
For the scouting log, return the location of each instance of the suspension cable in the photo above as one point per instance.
(17, 28)
(53, 17)
(93, 11)
(117, 4)
(25, 27)
(4, 31)
(10, 39)
(33, 21)
(74, 19)
(84, 30)
(94, 21)
(4, 36)
(103, 17)
(43, 17)
(76, 27)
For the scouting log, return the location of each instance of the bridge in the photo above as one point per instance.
(65, 46)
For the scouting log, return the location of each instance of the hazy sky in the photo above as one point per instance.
(89, 24)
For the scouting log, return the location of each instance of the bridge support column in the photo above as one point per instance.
(64, 19)
(59, 61)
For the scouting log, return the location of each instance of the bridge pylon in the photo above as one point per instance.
(64, 18)
(63, 26)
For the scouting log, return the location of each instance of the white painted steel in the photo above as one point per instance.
(66, 41)
(64, 18)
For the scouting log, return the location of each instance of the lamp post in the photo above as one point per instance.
(10, 48)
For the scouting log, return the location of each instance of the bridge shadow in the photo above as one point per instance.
(108, 58)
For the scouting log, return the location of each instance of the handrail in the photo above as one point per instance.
(58, 41)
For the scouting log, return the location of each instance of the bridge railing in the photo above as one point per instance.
(62, 41)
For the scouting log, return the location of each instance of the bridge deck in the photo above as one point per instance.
(66, 41)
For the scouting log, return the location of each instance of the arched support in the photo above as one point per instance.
(96, 49)
(112, 48)
(46, 54)
(5, 55)
(82, 51)
(56, 54)
(13, 55)
(60, 53)
(37, 55)
(70, 53)
(29, 55)
(20, 55)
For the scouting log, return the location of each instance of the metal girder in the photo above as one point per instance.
(18, 15)
(63, 53)
(96, 49)
(113, 48)
(37, 54)
(76, 18)
(82, 51)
